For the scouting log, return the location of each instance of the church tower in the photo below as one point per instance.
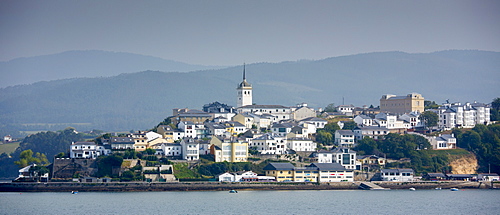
(244, 92)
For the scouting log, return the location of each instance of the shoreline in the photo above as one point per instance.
(226, 186)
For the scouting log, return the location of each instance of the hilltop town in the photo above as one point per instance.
(275, 143)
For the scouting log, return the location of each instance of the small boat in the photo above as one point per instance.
(437, 188)
(412, 189)
(233, 191)
(454, 189)
(74, 192)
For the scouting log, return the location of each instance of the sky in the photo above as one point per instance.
(234, 32)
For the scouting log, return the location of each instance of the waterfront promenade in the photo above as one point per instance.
(218, 186)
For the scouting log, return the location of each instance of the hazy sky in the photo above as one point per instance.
(213, 32)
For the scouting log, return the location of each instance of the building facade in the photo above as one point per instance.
(412, 102)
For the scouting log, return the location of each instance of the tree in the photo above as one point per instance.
(495, 109)
(330, 108)
(429, 118)
(430, 105)
(324, 137)
(349, 125)
(26, 158)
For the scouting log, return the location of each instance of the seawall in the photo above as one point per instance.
(217, 186)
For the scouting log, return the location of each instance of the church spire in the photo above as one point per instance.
(244, 72)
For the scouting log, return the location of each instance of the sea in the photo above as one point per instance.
(466, 201)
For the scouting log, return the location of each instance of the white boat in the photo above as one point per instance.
(74, 192)
(412, 189)
(233, 191)
(454, 189)
(437, 188)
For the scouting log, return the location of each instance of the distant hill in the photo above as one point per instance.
(141, 100)
(80, 64)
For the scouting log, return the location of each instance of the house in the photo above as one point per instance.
(303, 112)
(412, 102)
(363, 120)
(344, 138)
(301, 144)
(434, 176)
(281, 171)
(216, 129)
(229, 149)
(282, 128)
(226, 177)
(195, 116)
(488, 177)
(345, 157)
(345, 109)
(369, 162)
(25, 174)
(374, 132)
(278, 112)
(399, 175)
(167, 133)
(318, 122)
(217, 110)
(190, 149)
(86, 150)
(443, 141)
(322, 156)
(171, 149)
(269, 143)
(412, 118)
(122, 143)
(246, 119)
(234, 128)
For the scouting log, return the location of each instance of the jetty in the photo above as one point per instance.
(370, 186)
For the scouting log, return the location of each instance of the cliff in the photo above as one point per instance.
(464, 164)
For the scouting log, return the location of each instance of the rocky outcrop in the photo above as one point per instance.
(465, 164)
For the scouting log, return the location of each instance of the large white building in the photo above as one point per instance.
(456, 115)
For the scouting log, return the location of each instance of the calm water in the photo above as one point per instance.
(256, 202)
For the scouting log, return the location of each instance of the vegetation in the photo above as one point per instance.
(106, 164)
(430, 105)
(495, 110)
(8, 147)
(26, 158)
(326, 135)
(429, 118)
(484, 142)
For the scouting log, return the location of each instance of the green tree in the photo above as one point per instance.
(324, 137)
(26, 158)
(429, 118)
(349, 125)
(430, 105)
(495, 110)
(330, 108)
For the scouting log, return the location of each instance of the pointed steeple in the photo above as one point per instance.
(244, 72)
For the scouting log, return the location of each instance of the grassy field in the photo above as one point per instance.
(8, 147)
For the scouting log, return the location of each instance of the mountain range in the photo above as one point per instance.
(141, 99)
(84, 64)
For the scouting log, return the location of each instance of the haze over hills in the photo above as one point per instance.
(140, 100)
(80, 64)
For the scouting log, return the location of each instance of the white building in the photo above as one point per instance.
(344, 138)
(345, 109)
(374, 132)
(269, 143)
(453, 115)
(363, 120)
(443, 141)
(400, 175)
(190, 149)
(345, 157)
(86, 150)
(172, 149)
(278, 112)
(301, 144)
